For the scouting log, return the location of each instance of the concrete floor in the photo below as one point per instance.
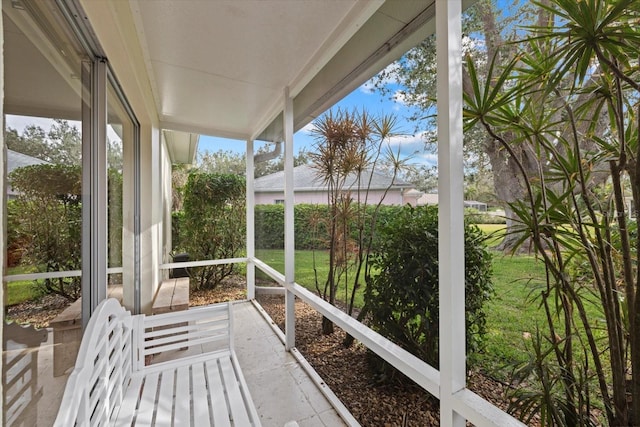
(281, 389)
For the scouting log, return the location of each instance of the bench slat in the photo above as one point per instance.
(182, 416)
(181, 294)
(164, 294)
(193, 314)
(165, 397)
(188, 332)
(181, 343)
(147, 400)
(129, 402)
(181, 328)
(199, 392)
(236, 400)
(218, 400)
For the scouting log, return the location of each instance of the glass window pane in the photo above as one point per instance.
(43, 138)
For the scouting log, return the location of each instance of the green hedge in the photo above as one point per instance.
(310, 225)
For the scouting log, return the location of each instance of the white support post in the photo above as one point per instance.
(251, 241)
(451, 208)
(289, 241)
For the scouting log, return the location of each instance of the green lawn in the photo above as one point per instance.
(494, 232)
(18, 292)
(513, 310)
(304, 271)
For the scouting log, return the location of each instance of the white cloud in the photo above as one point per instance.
(405, 140)
(428, 158)
(309, 128)
(20, 123)
(400, 97)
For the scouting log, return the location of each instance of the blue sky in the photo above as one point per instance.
(410, 143)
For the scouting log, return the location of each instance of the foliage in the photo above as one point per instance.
(231, 162)
(548, 401)
(277, 164)
(310, 225)
(221, 161)
(423, 177)
(212, 225)
(350, 147)
(114, 215)
(46, 222)
(565, 113)
(61, 144)
(489, 28)
(402, 295)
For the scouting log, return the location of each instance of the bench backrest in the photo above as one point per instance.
(103, 368)
(181, 334)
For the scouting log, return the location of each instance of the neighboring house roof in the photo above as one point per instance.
(306, 178)
(16, 160)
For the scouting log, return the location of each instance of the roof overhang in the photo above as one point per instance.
(182, 146)
(221, 67)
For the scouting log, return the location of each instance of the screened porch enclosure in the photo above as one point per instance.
(258, 71)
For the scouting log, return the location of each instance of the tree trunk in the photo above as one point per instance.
(327, 326)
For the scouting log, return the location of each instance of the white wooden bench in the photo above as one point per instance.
(112, 385)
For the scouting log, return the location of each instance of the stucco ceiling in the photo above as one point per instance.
(220, 67)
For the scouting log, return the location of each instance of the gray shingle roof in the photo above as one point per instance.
(17, 160)
(306, 178)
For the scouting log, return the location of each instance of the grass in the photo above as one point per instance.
(304, 271)
(512, 312)
(494, 232)
(21, 291)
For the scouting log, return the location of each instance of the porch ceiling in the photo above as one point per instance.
(220, 67)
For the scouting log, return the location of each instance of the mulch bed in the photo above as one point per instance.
(346, 370)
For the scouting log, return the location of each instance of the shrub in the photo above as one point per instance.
(402, 297)
(310, 225)
(46, 221)
(212, 225)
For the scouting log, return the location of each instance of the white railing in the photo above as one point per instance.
(474, 408)
(52, 275)
(204, 263)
